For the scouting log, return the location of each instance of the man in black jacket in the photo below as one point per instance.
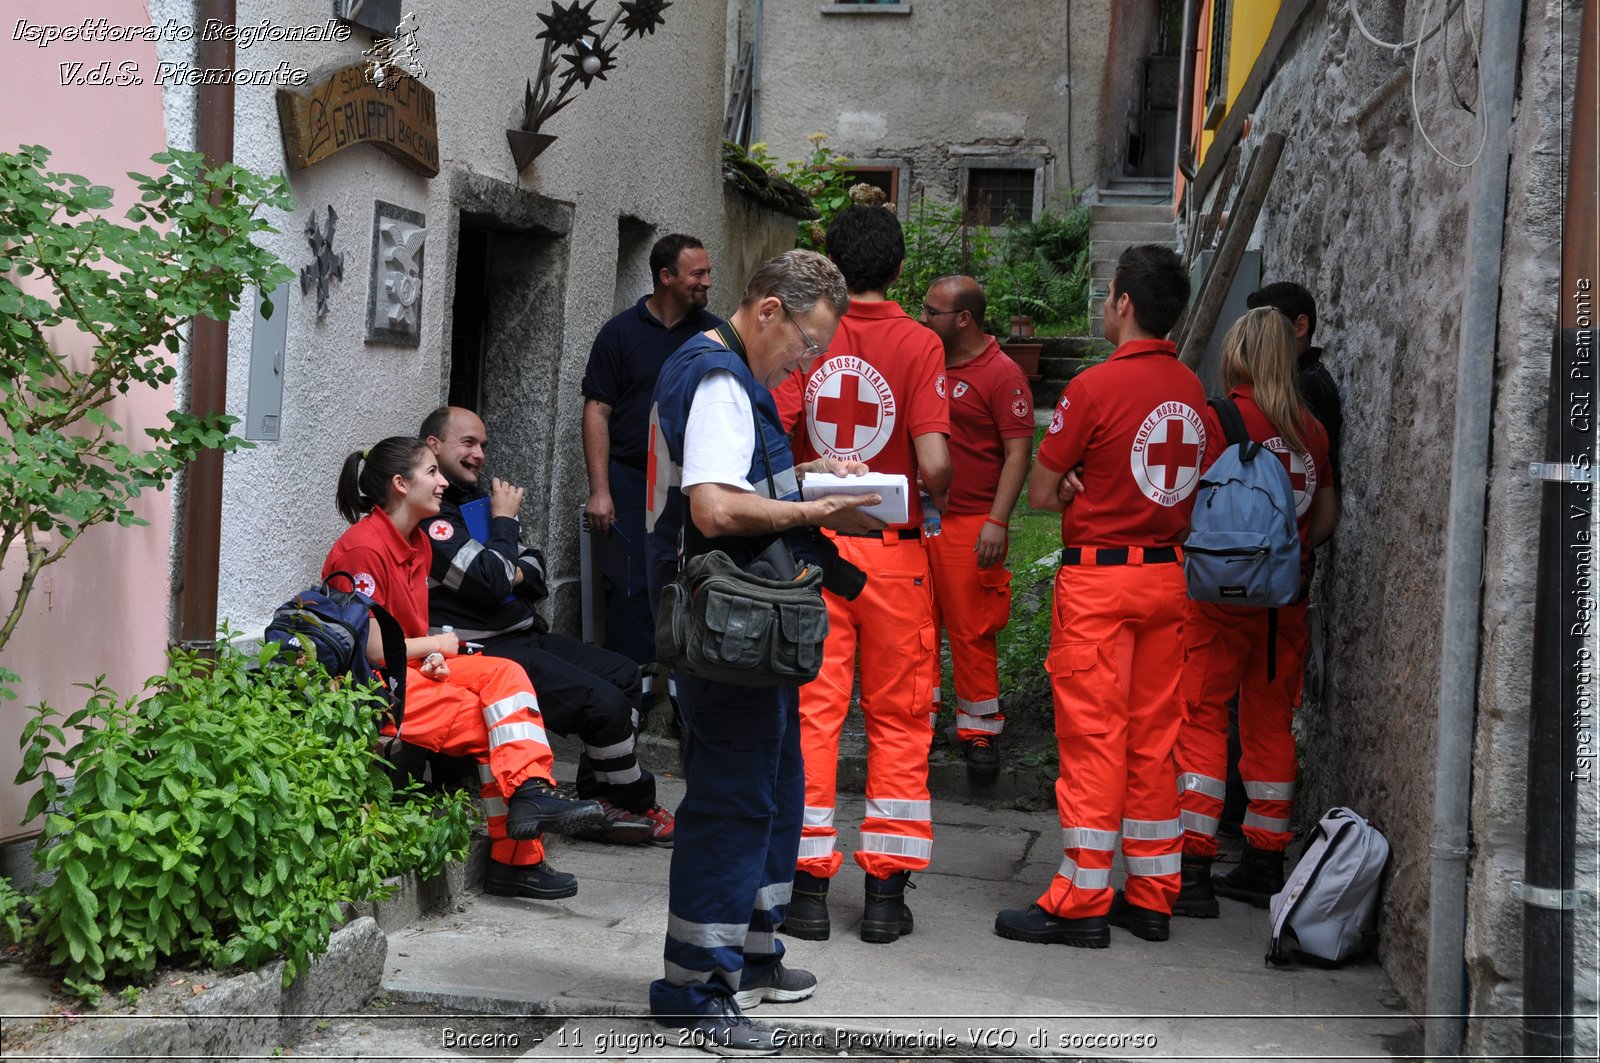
(486, 586)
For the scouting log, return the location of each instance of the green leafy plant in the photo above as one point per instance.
(228, 815)
(822, 178)
(132, 290)
(1041, 269)
(13, 908)
(939, 242)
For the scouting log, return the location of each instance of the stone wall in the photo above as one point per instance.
(1370, 218)
(636, 156)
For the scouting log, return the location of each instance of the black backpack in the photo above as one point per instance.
(333, 624)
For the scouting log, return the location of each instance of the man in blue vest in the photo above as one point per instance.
(722, 477)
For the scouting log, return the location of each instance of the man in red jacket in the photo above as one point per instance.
(1134, 426)
(991, 434)
(877, 399)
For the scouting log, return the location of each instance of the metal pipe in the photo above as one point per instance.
(1562, 634)
(1067, 60)
(1190, 46)
(755, 78)
(1461, 623)
(208, 367)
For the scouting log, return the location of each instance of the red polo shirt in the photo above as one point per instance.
(879, 388)
(1136, 424)
(388, 569)
(1308, 472)
(990, 402)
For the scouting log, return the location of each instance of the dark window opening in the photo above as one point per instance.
(994, 195)
(1217, 54)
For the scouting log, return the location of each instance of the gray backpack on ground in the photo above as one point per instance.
(1325, 912)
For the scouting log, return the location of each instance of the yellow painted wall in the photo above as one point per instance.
(1247, 35)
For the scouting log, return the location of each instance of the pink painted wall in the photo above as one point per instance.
(104, 607)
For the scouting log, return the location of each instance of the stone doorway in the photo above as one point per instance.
(510, 253)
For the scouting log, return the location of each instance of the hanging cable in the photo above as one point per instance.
(1481, 115)
(1398, 48)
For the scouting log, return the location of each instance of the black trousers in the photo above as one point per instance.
(594, 694)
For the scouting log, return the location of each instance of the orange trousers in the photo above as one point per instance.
(485, 709)
(890, 626)
(1114, 667)
(1225, 653)
(972, 605)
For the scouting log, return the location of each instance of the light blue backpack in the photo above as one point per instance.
(1244, 544)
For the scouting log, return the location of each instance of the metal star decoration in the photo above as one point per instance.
(325, 266)
(566, 26)
(581, 55)
(586, 56)
(642, 16)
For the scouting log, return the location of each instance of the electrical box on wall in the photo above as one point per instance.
(269, 341)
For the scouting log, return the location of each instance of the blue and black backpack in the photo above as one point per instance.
(1244, 540)
(333, 624)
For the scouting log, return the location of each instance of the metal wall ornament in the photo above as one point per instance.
(394, 300)
(569, 38)
(326, 267)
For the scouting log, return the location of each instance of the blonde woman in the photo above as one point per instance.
(1250, 651)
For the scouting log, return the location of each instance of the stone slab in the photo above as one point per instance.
(598, 951)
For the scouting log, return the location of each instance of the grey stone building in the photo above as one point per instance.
(1015, 103)
(1387, 229)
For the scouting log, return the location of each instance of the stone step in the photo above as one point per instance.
(1112, 212)
(1139, 184)
(1163, 231)
(1131, 199)
(1110, 250)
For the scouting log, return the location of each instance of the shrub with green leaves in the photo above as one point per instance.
(229, 815)
(130, 290)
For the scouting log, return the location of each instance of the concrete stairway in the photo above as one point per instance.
(1130, 211)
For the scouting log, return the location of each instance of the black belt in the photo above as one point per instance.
(902, 534)
(1120, 555)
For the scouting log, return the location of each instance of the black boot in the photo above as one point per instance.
(886, 916)
(1140, 922)
(807, 917)
(1255, 880)
(1197, 899)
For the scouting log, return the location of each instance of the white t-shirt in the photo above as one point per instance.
(720, 439)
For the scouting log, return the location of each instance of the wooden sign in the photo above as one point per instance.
(348, 109)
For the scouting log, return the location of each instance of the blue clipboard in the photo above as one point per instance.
(476, 516)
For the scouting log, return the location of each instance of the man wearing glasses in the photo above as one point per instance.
(991, 433)
(716, 444)
(878, 398)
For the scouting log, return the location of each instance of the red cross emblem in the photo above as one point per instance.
(850, 409)
(1302, 473)
(1165, 459)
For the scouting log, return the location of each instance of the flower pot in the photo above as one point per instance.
(1021, 325)
(526, 146)
(1025, 355)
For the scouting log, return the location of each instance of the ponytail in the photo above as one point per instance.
(366, 474)
(1259, 351)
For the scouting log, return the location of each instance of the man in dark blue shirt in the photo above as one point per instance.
(617, 385)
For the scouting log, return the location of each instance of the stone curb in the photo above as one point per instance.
(246, 1014)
